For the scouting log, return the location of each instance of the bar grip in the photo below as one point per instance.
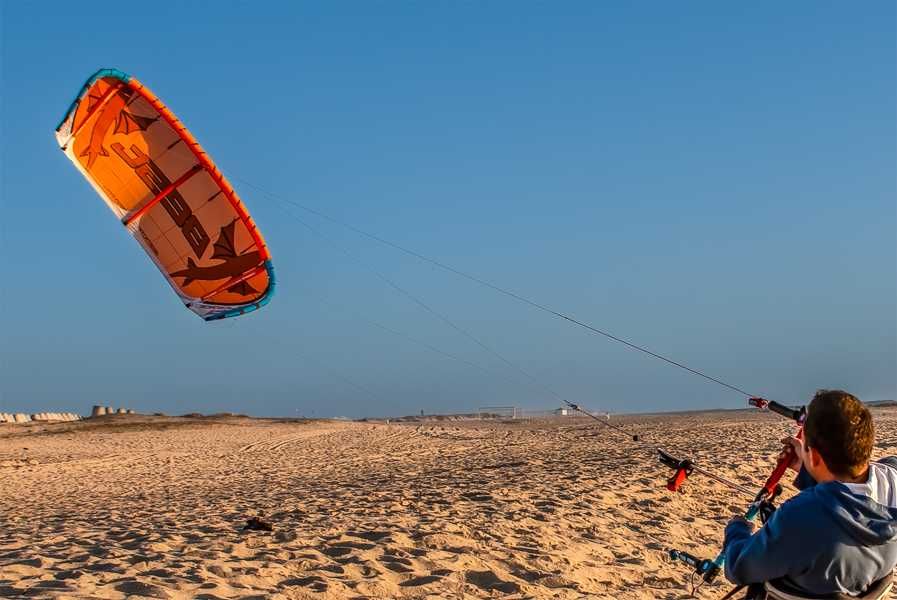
(785, 411)
(668, 459)
(689, 559)
(706, 568)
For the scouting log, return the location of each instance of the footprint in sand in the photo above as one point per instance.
(529, 576)
(371, 536)
(489, 581)
(338, 569)
(336, 551)
(397, 567)
(139, 588)
(312, 582)
(422, 580)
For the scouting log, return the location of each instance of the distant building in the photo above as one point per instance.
(499, 412)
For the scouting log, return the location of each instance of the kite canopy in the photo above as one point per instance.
(163, 187)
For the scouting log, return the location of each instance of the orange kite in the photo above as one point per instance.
(165, 189)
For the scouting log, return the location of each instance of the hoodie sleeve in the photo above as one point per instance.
(804, 480)
(891, 461)
(772, 552)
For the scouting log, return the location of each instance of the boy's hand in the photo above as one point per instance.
(791, 442)
(741, 519)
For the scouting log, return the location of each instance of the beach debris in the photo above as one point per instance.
(257, 524)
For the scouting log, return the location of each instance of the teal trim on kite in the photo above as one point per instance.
(115, 73)
(272, 283)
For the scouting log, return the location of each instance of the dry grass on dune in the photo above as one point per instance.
(154, 507)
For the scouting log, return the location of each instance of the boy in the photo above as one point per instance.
(839, 535)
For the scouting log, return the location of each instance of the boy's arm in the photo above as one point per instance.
(773, 551)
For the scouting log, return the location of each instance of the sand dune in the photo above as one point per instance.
(153, 507)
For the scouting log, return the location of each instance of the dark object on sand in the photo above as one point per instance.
(257, 524)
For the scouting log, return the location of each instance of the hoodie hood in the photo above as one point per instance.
(867, 512)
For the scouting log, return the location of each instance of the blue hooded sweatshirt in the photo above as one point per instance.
(832, 537)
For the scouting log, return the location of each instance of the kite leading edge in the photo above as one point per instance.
(165, 189)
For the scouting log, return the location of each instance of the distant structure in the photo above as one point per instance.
(527, 414)
(38, 417)
(499, 412)
(99, 411)
(56, 417)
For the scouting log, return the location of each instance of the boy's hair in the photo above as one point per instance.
(840, 427)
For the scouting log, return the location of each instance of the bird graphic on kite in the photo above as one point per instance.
(234, 264)
(114, 112)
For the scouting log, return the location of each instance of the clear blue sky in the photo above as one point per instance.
(715, 181)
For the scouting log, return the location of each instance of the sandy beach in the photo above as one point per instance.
(130, 506)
